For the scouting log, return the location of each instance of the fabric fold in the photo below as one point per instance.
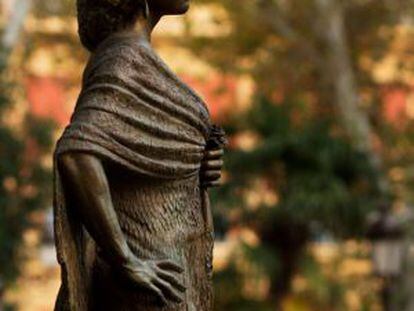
(133, 112)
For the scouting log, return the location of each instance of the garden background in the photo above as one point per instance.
(317, 97)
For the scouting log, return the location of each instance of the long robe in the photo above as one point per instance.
(150, 130)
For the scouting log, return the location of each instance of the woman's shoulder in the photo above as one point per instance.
(123, 46)
(119, 55)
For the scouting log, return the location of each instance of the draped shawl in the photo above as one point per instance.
(132, 111)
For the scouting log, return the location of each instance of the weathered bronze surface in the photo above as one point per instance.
(132, 216)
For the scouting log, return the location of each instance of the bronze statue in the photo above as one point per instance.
(132, 216)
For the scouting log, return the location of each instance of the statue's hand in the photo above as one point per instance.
(158, 276)
(211, 167)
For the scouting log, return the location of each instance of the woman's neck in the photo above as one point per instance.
(142, 28)
(145, 25)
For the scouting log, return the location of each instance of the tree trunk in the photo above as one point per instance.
(355, 120)
(341, 75)
(10, 36)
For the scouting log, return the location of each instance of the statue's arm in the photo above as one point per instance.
(85, 178)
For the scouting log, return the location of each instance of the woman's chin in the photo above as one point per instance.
(175, 7)
(183, 8)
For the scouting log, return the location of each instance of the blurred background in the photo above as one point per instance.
(317, 97)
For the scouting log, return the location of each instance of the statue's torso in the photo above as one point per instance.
(161, 219)
(157, 216)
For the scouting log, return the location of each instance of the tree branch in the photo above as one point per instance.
(279, 24)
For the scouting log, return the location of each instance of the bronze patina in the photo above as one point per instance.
(132, 216)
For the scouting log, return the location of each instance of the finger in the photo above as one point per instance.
(212, 184)
(169, 265)
(168, 290)
(214, 154)
(211, 175)
(212, 164)
(157, 292)
(171, 279)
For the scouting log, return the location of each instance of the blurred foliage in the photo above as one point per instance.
(322, 187)
(25, 179)
(61, 8)
(316, 174)
(280, 43)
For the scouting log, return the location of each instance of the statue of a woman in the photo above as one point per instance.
(132, 216)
